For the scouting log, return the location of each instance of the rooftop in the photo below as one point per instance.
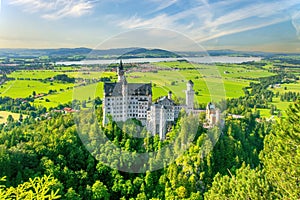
(134, 89)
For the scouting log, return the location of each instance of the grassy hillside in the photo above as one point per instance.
(171, 76)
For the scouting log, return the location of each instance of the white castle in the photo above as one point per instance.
(123, 101)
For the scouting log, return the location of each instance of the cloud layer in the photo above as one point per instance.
(201, 20)
(212, 20)
(55, 9)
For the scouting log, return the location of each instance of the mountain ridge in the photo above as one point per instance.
(131, 52)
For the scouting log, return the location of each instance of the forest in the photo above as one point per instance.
(49, 159)
(48, 153)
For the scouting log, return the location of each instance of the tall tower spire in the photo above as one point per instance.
(121, 65)
(121, 72)
(190, 96)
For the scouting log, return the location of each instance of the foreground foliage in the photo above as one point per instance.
(278, 175)
(251, 160)
(37, 188)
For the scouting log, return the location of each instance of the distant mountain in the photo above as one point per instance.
(34, 53)
(228, 52)
(86, 53)
(65, 54)
(149, 53)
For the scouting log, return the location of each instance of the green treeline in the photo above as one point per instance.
(250, 160)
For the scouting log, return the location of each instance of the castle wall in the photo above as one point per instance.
(122, 106)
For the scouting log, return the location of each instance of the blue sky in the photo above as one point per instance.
(255, 25)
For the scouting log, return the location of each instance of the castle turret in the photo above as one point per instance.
(190, 96)
(123, 81)
(163, 123)
(121, 73)
(170, 95)
(213, 114)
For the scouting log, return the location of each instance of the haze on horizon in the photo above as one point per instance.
(272, 26)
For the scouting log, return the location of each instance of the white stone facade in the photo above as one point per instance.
(124, 101)
(213, 115)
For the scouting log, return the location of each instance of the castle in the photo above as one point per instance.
(123, 101)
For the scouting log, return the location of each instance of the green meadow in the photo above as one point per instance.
(291, 87)
(4, 115)
(25, 88)
(281, 105)
(211, 82)
(71, 72)
(33, 74)
(80, 93)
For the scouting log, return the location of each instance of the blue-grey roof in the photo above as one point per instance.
(134, 89)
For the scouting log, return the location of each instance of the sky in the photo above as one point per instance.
(255, 25)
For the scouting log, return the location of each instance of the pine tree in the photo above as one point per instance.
(281, 155)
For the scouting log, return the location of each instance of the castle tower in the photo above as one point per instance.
(123, 81)
(125, 99)
(170, 95)
(213, 114)
(190, 96)
(162, 123)
(121, 72)
(218, 116)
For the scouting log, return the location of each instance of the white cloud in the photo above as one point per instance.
(296, 23)
(250, 17)
(255, 10)
(162, 4)
(211, 20)
(55, 9)
(137, 22)
(242, 28)
(33, 5)
(71, 10)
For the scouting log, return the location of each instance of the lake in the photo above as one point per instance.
(203, 60)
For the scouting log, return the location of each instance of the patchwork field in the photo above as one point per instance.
(24, 88)
(4, 115)
(291, 87)
(211, 83)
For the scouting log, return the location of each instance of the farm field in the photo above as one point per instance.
(5, 114)
(210, 82)
(227, 71)
(33, 74)
(291, 87)
(80, 93)
(24, 88)
(71, 72)
(281, 105)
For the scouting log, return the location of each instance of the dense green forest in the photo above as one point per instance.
(52, 154)
(251, 160)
